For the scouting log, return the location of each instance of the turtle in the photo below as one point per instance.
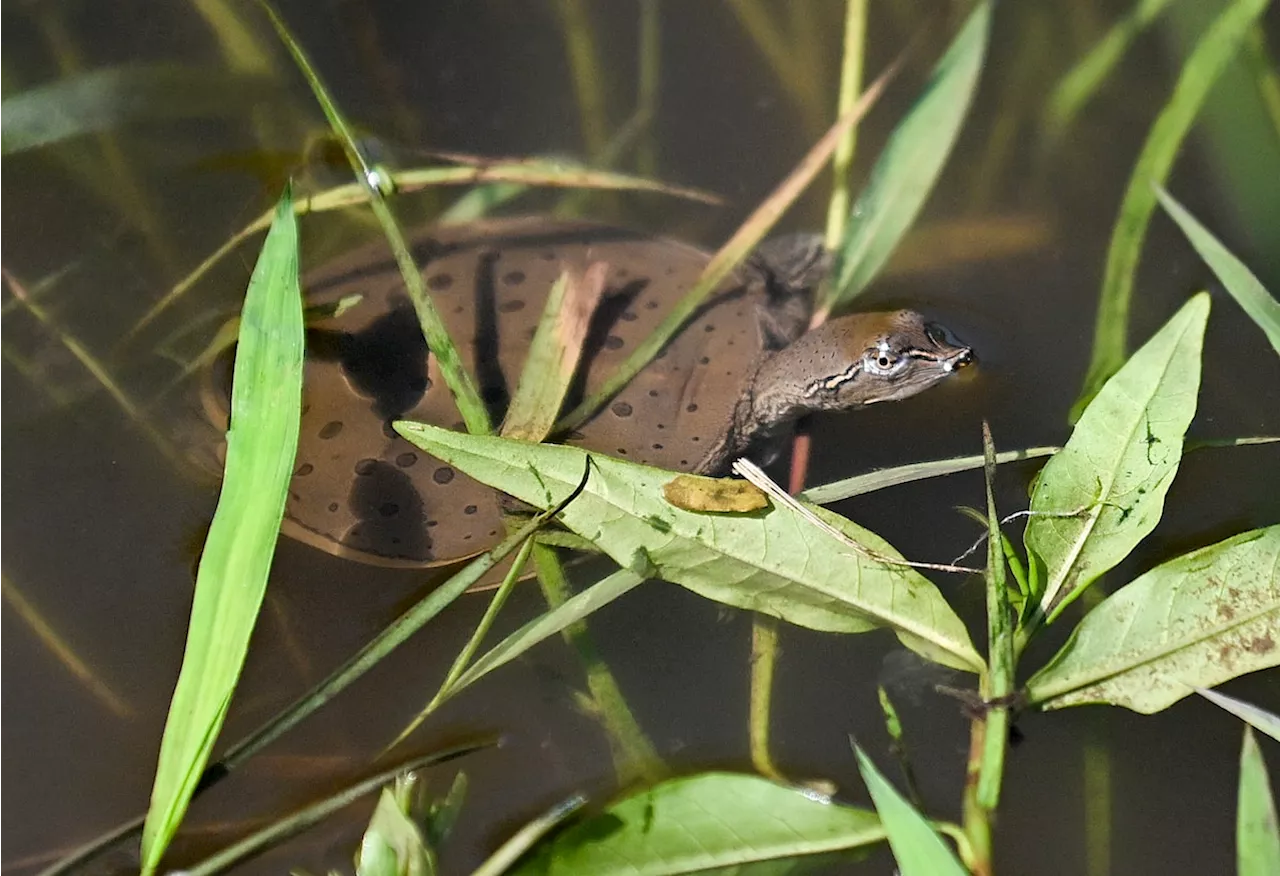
(739, 372)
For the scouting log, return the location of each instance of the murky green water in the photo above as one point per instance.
(100, 528)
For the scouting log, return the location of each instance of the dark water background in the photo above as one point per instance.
(99, 529)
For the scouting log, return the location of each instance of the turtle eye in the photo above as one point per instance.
(883, 361)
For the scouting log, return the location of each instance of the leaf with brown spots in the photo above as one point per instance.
(1196, 621)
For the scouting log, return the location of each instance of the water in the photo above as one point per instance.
(101, 528)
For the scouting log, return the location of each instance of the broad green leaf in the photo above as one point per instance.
(1196, 621)
(266, 402)
(1244, 287)
(111, 97)
(1101, 495)
(1215, 49)
(702, 822)
(917, 847)
(911, 161)
(1257, 717)
(773, 562)
(1257, 831)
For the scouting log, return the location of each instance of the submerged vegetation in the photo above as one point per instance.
(1195, 620)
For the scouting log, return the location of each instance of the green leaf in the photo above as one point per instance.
(1215, 49)
(917, 847)
(111, 97)
(774, 562)
(1259, 718)
(910, 164)
(266, 403)
(1101, 495)
(702, 822)
(1244, 287)
(1196, 621)
(1257, 832)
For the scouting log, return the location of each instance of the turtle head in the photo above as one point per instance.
(857, 360)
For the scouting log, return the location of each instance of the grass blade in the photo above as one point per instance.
(1086, 78)
(905, 172)
(266, 403)
(110, 97)
(470, 406)
(1244, 287)
(846, 488)
(729, 256)
(554, 353)
(1257, 832)
(917, 847)
(1212, 53)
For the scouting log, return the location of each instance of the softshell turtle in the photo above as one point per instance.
(730, 383)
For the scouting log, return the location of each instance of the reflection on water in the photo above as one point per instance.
(98, 519)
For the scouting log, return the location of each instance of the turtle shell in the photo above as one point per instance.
(362, 492)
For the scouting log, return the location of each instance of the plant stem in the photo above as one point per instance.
(855, 32)
(764, 658)
(633, 754)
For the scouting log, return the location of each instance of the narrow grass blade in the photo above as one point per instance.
(576, 608)
(917, 847)
(1257, 830)
(111, 97)
(61, 650)
(309, 816)
(910, 164)
(1091, 72)
(1104, 492)
(509, 173)
(266, 403)
(1259, 718)
(470, 406)
(339, 680)
(1244, 287)
(1212, 53)
(1195, 621)
(554, 353)
(513, 849)
(774, 562)
(702, 823)
(94, 366)
(468, 651)
(729, 256)
(857, 485)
